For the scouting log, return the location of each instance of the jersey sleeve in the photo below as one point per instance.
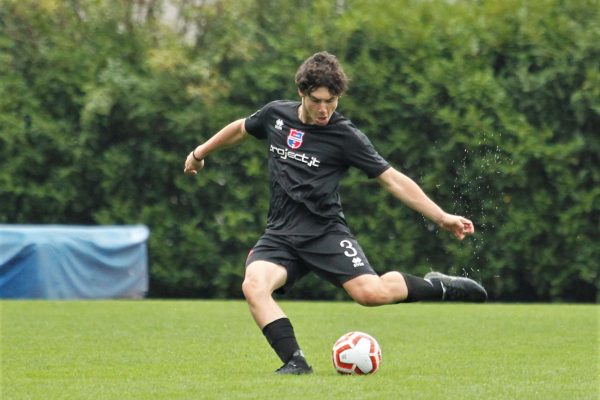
(254, 123)
(361, 154)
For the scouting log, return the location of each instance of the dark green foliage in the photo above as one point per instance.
(492, 107)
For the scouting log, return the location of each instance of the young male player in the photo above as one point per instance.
(310, 147)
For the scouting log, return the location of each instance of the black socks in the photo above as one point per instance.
(281, 337)
(420, 289)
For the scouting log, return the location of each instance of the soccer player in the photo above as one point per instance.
(310, 147)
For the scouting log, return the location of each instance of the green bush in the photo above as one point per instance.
(492, 107)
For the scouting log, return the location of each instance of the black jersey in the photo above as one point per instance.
(306, 164)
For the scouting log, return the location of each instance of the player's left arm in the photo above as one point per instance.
(406, 190)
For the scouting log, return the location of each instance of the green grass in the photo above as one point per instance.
(212, 350)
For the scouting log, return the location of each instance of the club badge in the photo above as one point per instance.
(294, 139)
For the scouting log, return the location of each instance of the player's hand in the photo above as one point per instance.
(459, 226)
(192, 166)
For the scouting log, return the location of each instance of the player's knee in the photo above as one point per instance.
(261, 279)
(368, 290)
(365, 301)
(369, 298)
(251, 287)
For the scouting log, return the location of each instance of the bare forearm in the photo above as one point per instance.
(226, 137)
(406, 190)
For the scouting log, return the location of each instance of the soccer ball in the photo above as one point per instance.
(356, 353)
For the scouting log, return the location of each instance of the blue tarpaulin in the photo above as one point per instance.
(73, 262)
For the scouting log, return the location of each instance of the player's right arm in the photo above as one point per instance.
(230, 135)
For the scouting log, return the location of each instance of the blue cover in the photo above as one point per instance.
(73, 262)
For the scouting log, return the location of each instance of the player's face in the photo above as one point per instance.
(318, 106)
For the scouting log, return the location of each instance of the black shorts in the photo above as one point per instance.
(335, 256)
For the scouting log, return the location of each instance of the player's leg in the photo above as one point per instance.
(389, 288)
(350, 267)
(338, 257)
(395, 287)
(261, 280)
(373, 290)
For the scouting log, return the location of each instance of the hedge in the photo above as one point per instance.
(492, 107)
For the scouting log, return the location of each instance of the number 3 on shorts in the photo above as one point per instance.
(351, 251)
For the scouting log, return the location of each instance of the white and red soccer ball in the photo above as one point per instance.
(356, 353)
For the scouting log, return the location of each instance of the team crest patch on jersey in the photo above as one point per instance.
(294, 139)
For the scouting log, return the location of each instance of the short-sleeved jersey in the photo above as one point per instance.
(306, 164)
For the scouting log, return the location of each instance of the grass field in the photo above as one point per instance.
(212, 350)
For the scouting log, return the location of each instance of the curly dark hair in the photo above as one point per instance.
(321, 69)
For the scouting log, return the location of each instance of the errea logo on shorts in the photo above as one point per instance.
(357, 262)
